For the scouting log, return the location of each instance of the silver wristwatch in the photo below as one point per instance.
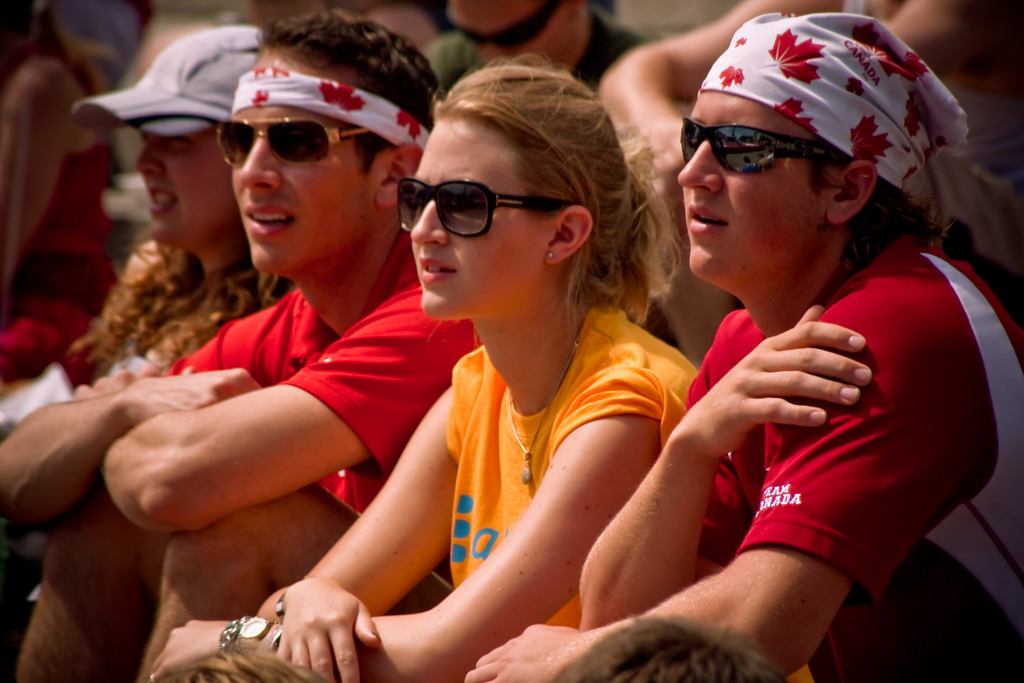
(248, 630)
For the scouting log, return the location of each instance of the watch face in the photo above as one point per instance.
(254, 628)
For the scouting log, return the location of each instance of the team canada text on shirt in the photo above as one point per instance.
(774, 496)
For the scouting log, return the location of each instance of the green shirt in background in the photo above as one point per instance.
(453, 54)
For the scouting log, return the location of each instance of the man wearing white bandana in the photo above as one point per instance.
(971, 44)
(237, 473)
(878, 540)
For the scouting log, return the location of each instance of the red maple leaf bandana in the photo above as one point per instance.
(272, 87)
(794, 59)
(731, 76)
(867, 142)
(847, 79)
(342, 95)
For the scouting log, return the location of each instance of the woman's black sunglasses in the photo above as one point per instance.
(464, 207)
(750, 150)
(292, 141)
(519, 32)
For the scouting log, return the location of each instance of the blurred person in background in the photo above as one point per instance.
(568, 32)
(114, 28)
(54, 268)
(416, 20)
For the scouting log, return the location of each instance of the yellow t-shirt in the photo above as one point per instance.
(619, 369)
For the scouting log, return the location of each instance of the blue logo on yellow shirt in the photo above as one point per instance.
(464, 540)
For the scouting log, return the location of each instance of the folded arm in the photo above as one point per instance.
(619, 580)
(182, 470)
(54, 455)
(779, 599)
(394, 544)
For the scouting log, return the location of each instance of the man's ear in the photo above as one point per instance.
(852, 188)
(395, 163)
(574, 226)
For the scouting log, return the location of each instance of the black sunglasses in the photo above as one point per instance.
(292, 141)
(519, 32)
(750, 150)
(464, 207)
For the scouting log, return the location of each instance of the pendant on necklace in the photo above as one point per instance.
(527, 475)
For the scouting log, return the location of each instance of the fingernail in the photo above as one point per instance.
(862, 375)
(856, 341)
(818, 417)
(849, 394)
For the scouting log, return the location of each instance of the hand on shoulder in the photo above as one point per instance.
(812, 360)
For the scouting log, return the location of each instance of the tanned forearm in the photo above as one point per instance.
(640, 85)
(54, 455)
(781, 600)
(650, 549)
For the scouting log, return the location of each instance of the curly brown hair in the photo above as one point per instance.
(167, 305)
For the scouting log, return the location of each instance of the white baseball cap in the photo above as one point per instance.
(189, 87)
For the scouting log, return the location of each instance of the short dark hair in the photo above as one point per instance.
(667, 650)
(388, 64)
(889, 214)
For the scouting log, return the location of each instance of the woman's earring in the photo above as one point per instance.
(551, 254)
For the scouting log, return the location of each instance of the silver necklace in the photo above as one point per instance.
(527, 475)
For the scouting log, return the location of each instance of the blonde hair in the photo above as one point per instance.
(252, 667)
(568, 148)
